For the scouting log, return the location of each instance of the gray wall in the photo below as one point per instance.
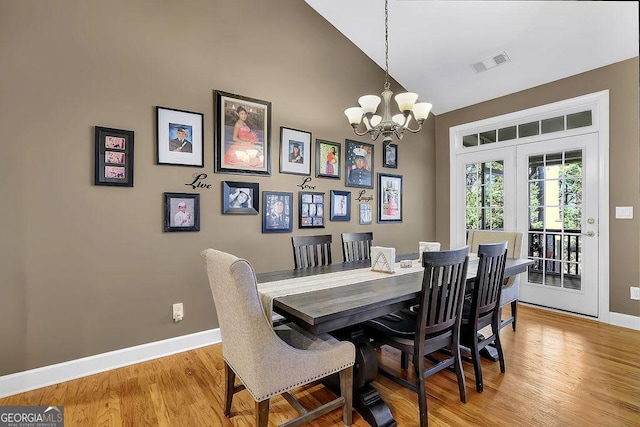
(87, 269)
(621, 79)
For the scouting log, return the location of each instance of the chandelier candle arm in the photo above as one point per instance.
(384, 123)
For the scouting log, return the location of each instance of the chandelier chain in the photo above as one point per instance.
(386, 44)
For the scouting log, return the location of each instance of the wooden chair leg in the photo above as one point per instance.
(229, 381)
(404, 361)
(514, 313)
(498, 346)
(457, 366)
(477, 367)
(422, 392)
(262, 413)
(346, 390)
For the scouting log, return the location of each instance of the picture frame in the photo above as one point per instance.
(389, 198)
(365, 214)
(340, 205)
(328, 159)
(179, 137)
(295, 151)
(277, 208)
(311, 209)
(240, 198)
(359, 160)
(113, 157)
(390, 155)
(249, 119)
(181, 212)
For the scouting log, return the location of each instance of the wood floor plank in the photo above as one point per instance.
(560, 371)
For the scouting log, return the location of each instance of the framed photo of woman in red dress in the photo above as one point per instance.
(389, 198)
(242, 134)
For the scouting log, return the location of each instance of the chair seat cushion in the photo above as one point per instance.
(400, 324)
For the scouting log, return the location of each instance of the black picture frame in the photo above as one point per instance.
(328, 159)
(390, 155)
(174, 217)
(389, 198)
(295, 151)
(272, 220)
(240, 198)
(113, 157)
(311, 209)
(358, 153)
(251, 154)
(340, 205)
(179, 137)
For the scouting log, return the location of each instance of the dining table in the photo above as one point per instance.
(338, 298)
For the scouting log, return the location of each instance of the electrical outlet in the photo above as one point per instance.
(635, 292)
(178, 312)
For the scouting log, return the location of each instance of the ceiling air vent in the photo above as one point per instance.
(491, 62)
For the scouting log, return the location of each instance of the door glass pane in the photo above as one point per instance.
(528, 129)
(485, 196)
(555, 219)
(506, 134)
(578, 120)
(552, 125)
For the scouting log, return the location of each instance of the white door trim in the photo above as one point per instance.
(598, 102)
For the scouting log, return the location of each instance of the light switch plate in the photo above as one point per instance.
(624, 212)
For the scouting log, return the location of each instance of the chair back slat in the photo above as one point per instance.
(356, 246)
(311, 251)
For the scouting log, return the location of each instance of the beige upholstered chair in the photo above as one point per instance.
(511, 288)
(271, 362)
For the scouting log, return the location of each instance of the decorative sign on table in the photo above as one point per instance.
(383, 259)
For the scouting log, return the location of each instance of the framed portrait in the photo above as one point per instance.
(328, 159)
(240, 198)
(340, 205)
(311, 210)
(295, 151)
(358, 164)
(179, 137)
(390, 155)
(277, 208)
(389, 198)
(242, 135)
(181, 212)
(113, 157)
(365, 214)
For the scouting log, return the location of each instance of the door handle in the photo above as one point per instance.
(589, 233)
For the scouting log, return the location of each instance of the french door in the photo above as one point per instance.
(548, 190)
(557, 199)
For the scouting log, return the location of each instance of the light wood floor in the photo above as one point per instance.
(560, 371)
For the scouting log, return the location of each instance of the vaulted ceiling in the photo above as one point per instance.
(433, 43)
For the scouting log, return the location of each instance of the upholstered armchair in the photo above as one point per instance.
(511, 288)
(268, 361)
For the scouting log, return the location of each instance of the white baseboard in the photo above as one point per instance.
(625, 320)
(61, 372)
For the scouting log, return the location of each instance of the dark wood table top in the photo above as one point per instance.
(327, 310)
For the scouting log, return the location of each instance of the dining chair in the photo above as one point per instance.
(481, 307)
(511, 287)
(311, 251)
(356, 246)
(271, 361)
(433, 325)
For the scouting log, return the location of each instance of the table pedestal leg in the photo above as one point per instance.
(366, 399)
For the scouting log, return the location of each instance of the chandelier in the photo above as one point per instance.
(387, 125)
